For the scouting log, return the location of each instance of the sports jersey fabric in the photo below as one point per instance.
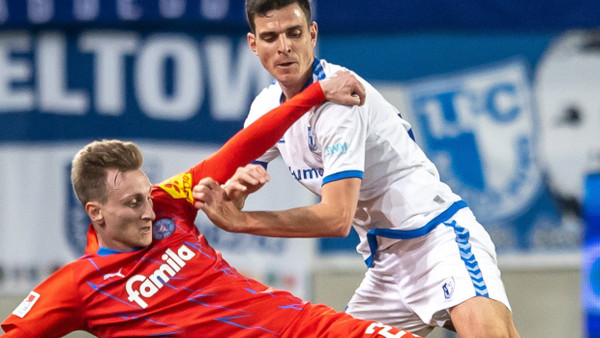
(400, 191)
(425, 250)
(179, 286)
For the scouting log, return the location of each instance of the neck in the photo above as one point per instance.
(295, 87)
(289, 92)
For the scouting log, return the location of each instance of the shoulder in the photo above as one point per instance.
(326, 69)
(266, 100)
(329, 68)
(374, 100)
(68, 273)
(333, 116)
(268, 96)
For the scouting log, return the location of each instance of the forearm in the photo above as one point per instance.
(240, 201)
(251, 142)
(319, 220)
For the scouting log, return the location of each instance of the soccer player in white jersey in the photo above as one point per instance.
(430, 262)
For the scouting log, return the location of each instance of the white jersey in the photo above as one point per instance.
(400, 190)
(403, 208)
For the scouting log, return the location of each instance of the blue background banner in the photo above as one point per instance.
(351, 16)
(81, 84)
(502, 95)
(181, 71)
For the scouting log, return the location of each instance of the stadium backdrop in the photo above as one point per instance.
(177, 77)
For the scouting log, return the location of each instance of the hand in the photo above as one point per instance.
(246, 180)
(212, 200)
(344, 88)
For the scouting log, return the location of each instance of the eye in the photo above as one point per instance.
(571, 115)
(135, 202)
(269, 37)
(295, 33)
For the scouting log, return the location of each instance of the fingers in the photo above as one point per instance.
(358, 97)
(344, 88)
(206, 191)
(251, 174)
(235, 186)
(209, 183)
(359, 92)
(354, 86)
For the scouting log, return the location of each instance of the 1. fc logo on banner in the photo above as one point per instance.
(478, 128)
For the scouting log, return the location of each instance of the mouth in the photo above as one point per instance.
(146, 229)
(285, 64)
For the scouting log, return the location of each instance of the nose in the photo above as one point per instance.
(148, 212)
(284, 44)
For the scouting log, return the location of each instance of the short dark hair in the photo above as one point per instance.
(261, 7)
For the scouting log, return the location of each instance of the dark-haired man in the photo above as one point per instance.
(430, 262)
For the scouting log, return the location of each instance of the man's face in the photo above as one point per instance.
(284, 43)
(127, 214)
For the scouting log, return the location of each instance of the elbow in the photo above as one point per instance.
(334, 219)
(342, 227)
(342, 233)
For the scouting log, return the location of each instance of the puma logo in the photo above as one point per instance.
(116, 274)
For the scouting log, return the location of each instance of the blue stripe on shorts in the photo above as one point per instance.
(464, 247)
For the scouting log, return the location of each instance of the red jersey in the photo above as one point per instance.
(179, 286)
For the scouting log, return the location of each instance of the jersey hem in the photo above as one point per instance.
(408, 234)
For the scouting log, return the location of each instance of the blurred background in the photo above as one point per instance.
(503, 96)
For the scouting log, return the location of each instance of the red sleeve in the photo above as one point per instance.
(244, 147)
(50, 310)
(251, 142)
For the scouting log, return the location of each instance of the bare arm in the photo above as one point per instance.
(332, 217)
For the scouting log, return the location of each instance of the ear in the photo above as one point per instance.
(313, 29)
(94, 211)
(252, 42)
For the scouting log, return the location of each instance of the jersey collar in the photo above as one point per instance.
(318, 74)
(107, 252)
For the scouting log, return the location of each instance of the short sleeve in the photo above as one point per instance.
(341, 132)
(52, 309)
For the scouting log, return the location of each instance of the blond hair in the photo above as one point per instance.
(89, 166)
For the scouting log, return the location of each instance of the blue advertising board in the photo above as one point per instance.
(82, 84)
(348, 16)
(180, 71)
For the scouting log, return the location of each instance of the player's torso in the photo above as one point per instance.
(179, 286)
(400, 187)
(302, 154)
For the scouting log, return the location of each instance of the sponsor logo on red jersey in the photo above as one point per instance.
(140, 287)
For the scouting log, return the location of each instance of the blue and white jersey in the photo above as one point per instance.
(400, 189)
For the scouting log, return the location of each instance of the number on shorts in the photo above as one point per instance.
(384, 330)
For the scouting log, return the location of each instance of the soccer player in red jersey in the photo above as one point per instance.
(148, 271)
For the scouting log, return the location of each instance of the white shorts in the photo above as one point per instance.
(414, 282)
